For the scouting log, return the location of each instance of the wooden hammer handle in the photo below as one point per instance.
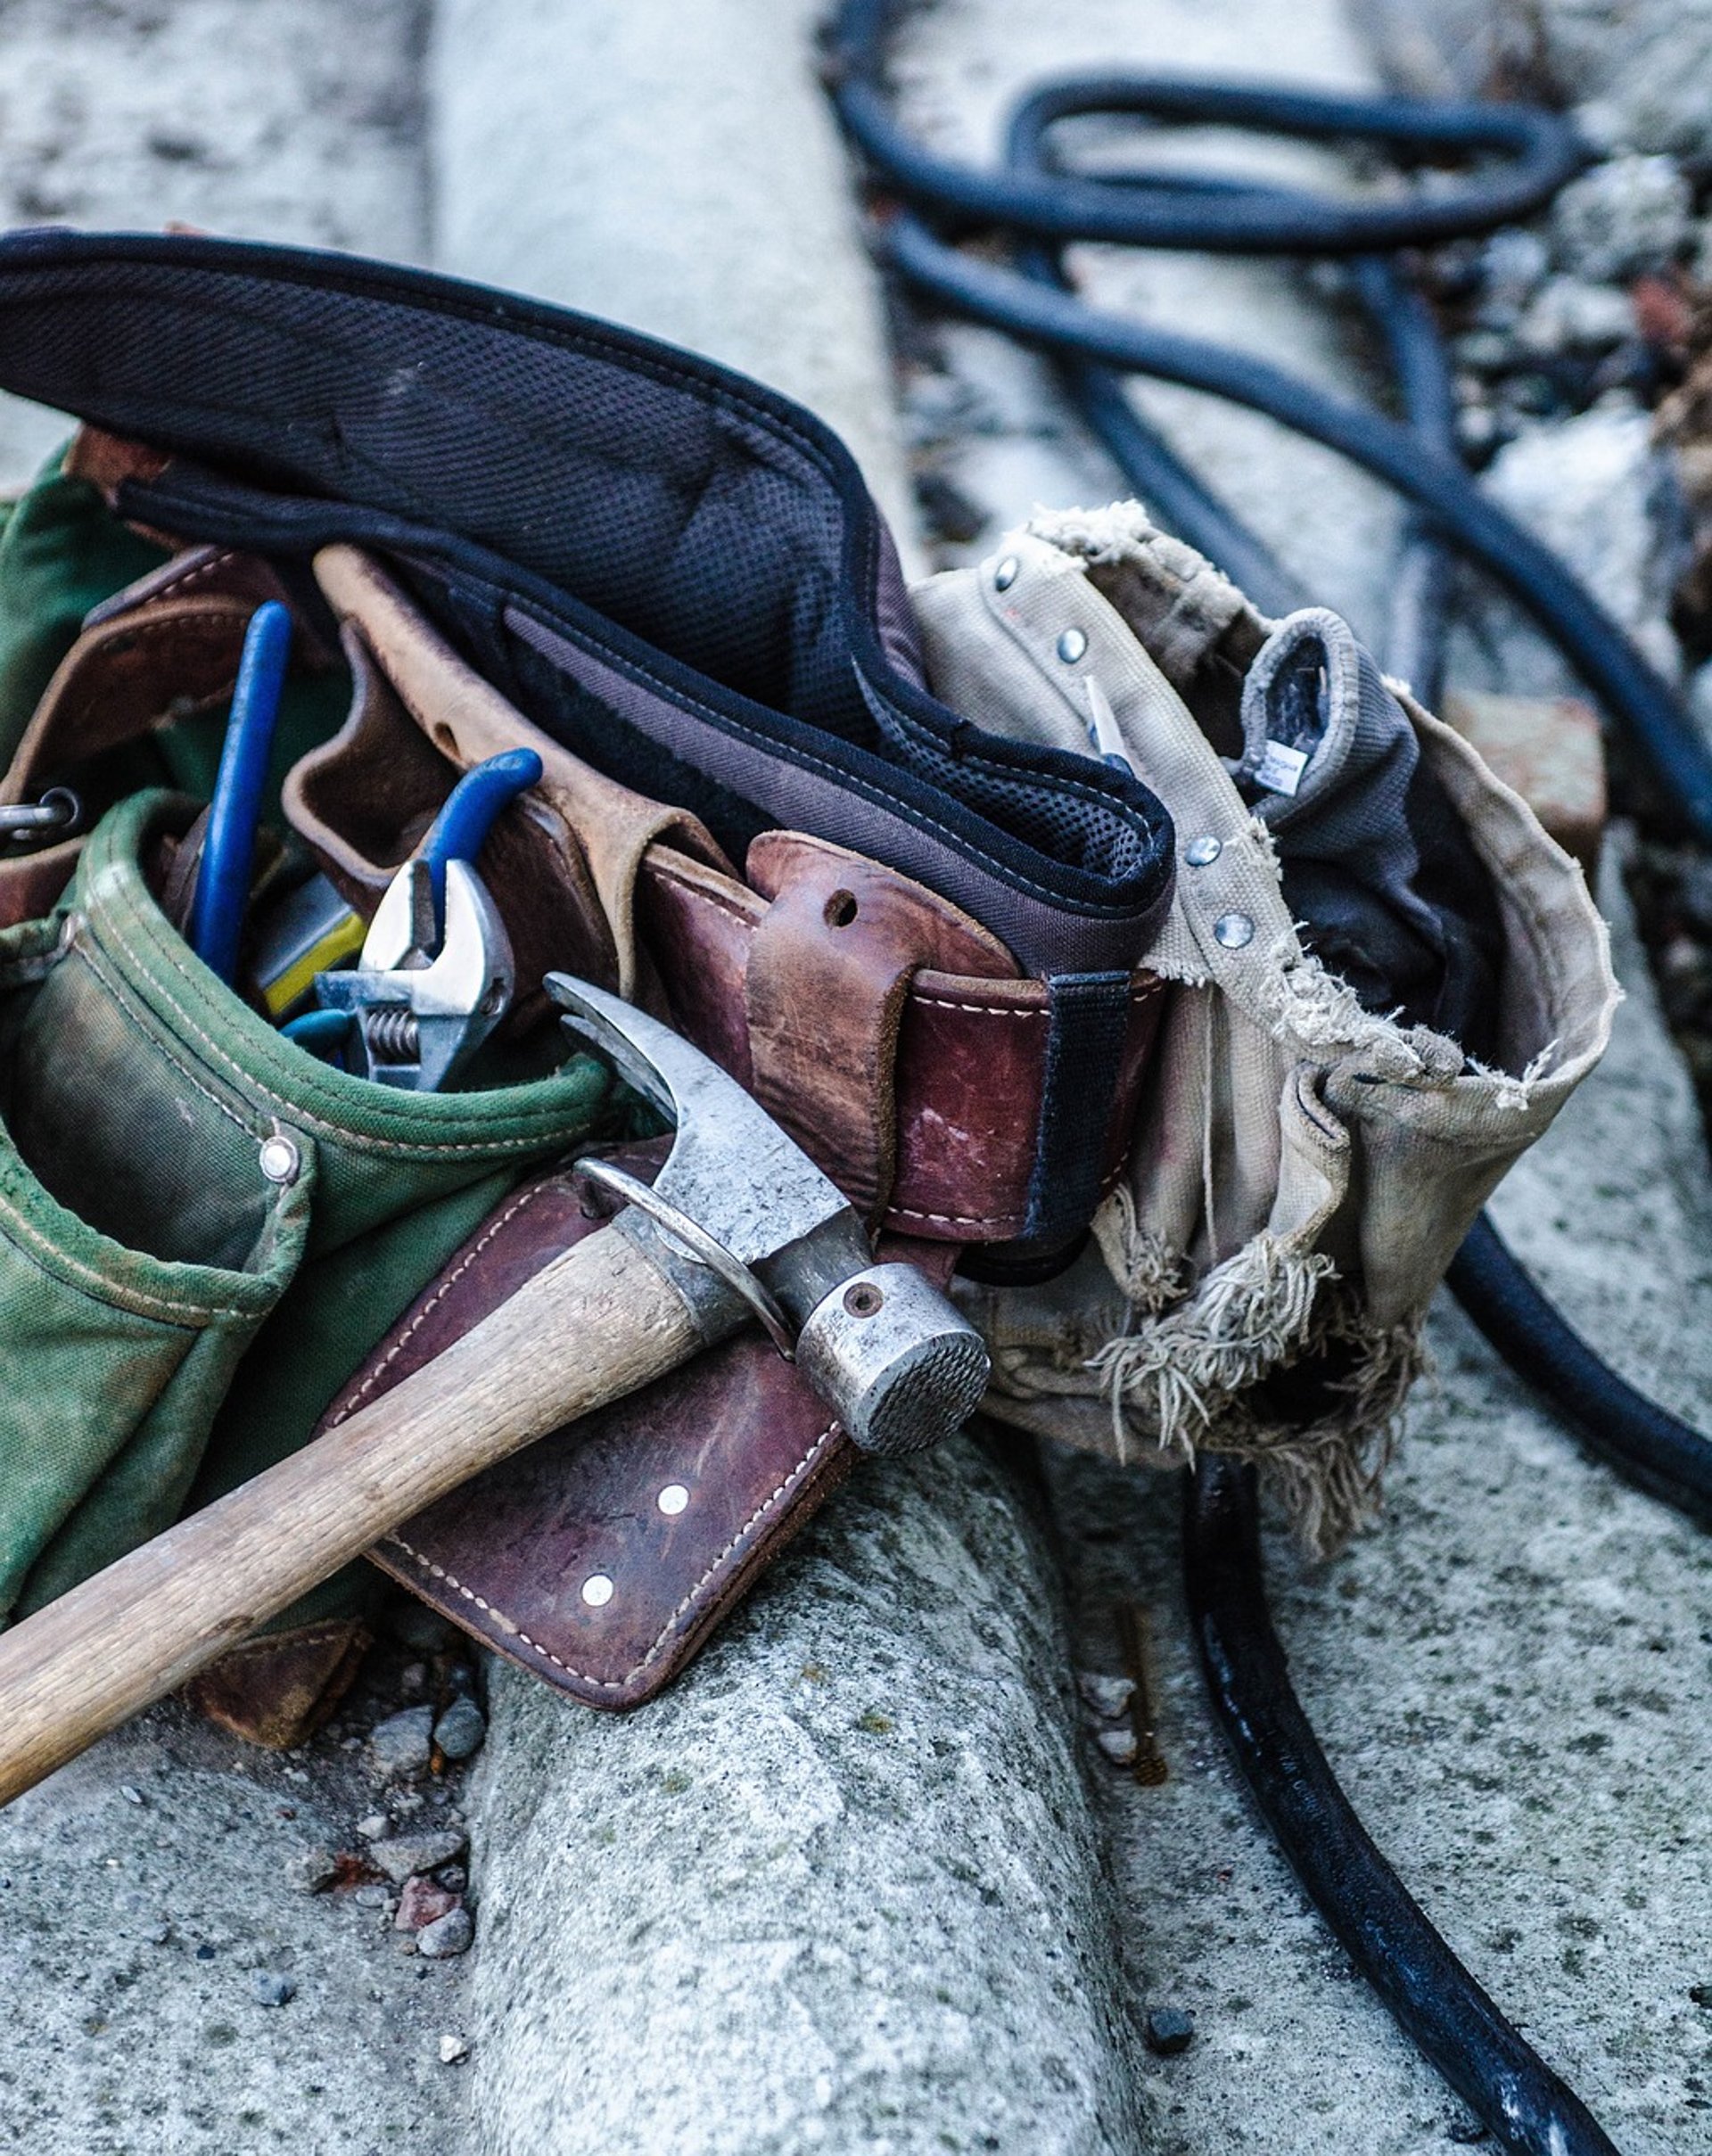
(599, 1322)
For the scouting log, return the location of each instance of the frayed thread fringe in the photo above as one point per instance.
(1186, 1380)
(1248, 1315)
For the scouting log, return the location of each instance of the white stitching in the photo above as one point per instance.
(444, 1289)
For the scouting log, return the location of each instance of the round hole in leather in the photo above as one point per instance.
(841, 909)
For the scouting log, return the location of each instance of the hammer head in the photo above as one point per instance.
(896, 1361)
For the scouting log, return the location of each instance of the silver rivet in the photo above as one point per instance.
(1005, 575)
(1233, 930)
(1202, 852)
(1072, 644)
(280, 1160)
(673, 1499)
(597, 1591)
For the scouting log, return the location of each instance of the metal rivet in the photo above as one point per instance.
(1005, 575)
(673, 1500)
(1233, 930)
(597, 1591)
(1072, 644)
(1202, 852)
(280, 1159)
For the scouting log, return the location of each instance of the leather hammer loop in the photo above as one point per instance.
(928, 201)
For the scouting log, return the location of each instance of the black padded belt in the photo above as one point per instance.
(677, 573)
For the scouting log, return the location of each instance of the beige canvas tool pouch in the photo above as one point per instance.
(1303, 1168)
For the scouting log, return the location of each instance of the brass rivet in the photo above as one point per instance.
(597, 1591)
(1005, 575)
(1233, 930)
(673, 1500)
(1072, 644)
(1202, 852)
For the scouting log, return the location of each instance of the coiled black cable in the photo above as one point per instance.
(1435, 2000)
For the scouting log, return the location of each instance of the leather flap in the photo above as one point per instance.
(602, 1557)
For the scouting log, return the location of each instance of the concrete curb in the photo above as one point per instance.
(839, 1889)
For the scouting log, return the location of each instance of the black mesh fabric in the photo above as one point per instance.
(664, 512)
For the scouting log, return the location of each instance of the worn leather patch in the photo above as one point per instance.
(830, 964)
(279, 1689)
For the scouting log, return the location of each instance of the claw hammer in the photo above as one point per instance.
(739, 1223)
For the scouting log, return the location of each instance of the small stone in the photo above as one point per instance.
(374, 1826)
(454, 1878)
(452, 2049)
(447, 1936)
(130, 1795)
(1107, 1697)
(1118, 1745)
(1627, 215)
(406, 1853)
(460, 1731)
(372, 1896)
(157, 1934)
(1169, 2030)
(423, 1903)
(312, 1870)
(1568, 316)
(1513, 265)
(413, 1677)
(400, 1745)
(267, 1987)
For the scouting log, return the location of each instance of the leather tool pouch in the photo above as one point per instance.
(678, 581)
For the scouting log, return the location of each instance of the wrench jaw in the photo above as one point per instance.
(415, 1027)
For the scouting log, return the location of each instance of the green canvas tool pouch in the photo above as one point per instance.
(202, 1229)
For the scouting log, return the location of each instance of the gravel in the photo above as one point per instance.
(1627, 215)
(461, 1731)
(268, 1988)
(447, 1937)
(404, 1855)
(1169, 2030)
(403, 1744)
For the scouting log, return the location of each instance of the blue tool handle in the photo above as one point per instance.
(460, 831)
(229, 849)
(322, 1032)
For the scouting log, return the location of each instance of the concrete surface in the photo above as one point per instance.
(839, 1889)
(143, 1891)
(960, 65)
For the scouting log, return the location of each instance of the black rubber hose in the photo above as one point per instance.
(1384, 1930)
(1059, 323)
(1542, 151)
(1642, 1441)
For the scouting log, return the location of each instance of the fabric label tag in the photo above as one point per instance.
(1280, 768)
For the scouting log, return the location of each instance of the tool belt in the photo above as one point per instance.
(943, 967)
